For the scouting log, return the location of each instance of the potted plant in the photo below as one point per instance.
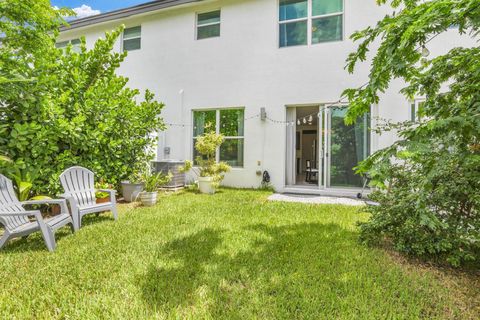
(132, 187)
(151, 182)
(101, 196)
(209, 171)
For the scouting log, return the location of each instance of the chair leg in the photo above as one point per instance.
(76, 220)
(114, 211)
(4, 239)
(51, 235)
(47, 236)
(72, 227)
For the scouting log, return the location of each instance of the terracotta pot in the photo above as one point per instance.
(55, 209)
(103, 200)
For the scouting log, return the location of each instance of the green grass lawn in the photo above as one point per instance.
(233, 255)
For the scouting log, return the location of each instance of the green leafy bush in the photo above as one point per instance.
(428, 182)
(429, 198)
(75, 109)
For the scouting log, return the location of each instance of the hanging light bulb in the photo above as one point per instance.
(298, 122)
(310, 119)
(304, 120)
(424, 51)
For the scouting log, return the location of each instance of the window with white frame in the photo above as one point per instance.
(76, 45)
(304, 22)
(132, 38)
(229, 123)
(208, 24)
(416, 110)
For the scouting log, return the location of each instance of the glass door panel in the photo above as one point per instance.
(347, 145)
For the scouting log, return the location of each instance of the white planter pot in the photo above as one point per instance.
(205, 185)
(131, 191)
(148, 198)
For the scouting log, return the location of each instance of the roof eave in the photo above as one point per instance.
(125, 13)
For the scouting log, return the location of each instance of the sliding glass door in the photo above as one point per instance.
(337, 148)
(346, 146)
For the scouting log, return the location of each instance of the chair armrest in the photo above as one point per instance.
(46, 201)
(20, 214)
(61, 202)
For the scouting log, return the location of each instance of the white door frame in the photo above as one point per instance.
(290, 162)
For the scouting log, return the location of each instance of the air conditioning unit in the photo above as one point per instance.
(172, 166)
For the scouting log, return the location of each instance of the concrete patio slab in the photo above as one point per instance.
(315, 199)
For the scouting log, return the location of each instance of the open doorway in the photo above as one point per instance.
(307, 171)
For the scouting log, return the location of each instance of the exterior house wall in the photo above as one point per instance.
(245, 67)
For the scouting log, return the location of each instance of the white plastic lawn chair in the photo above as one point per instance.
(15, 219)
(78, 184)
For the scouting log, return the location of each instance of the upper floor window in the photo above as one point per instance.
(304, 22)
(229, 123)
(132, 38)
(416, 110)
(208, 25)
(76, 45)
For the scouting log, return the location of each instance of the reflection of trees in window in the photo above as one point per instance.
(349, 145)
(230, 125)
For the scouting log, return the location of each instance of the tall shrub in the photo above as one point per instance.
(429, 180)
(70, 108)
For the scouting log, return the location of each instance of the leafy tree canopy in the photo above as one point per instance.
(429, 180)
(65, 108)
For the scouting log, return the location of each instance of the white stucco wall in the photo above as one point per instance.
(244, 67)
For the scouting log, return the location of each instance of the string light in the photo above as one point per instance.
(422, 49)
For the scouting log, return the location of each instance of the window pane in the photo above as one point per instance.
(349, 145)
(231, 151)
(327, 29)
(292, 9)
(204, 121)
(320, 7)
(196, 154)
(134, 32)
(412, 112)
(62, 44)
(132, 44)
(208, 17)
(75, 42)
(208, 31)
(293, 34)
(231, 122)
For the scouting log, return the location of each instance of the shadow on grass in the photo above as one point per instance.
(274, 275)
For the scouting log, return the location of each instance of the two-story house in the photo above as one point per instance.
(268, 74)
